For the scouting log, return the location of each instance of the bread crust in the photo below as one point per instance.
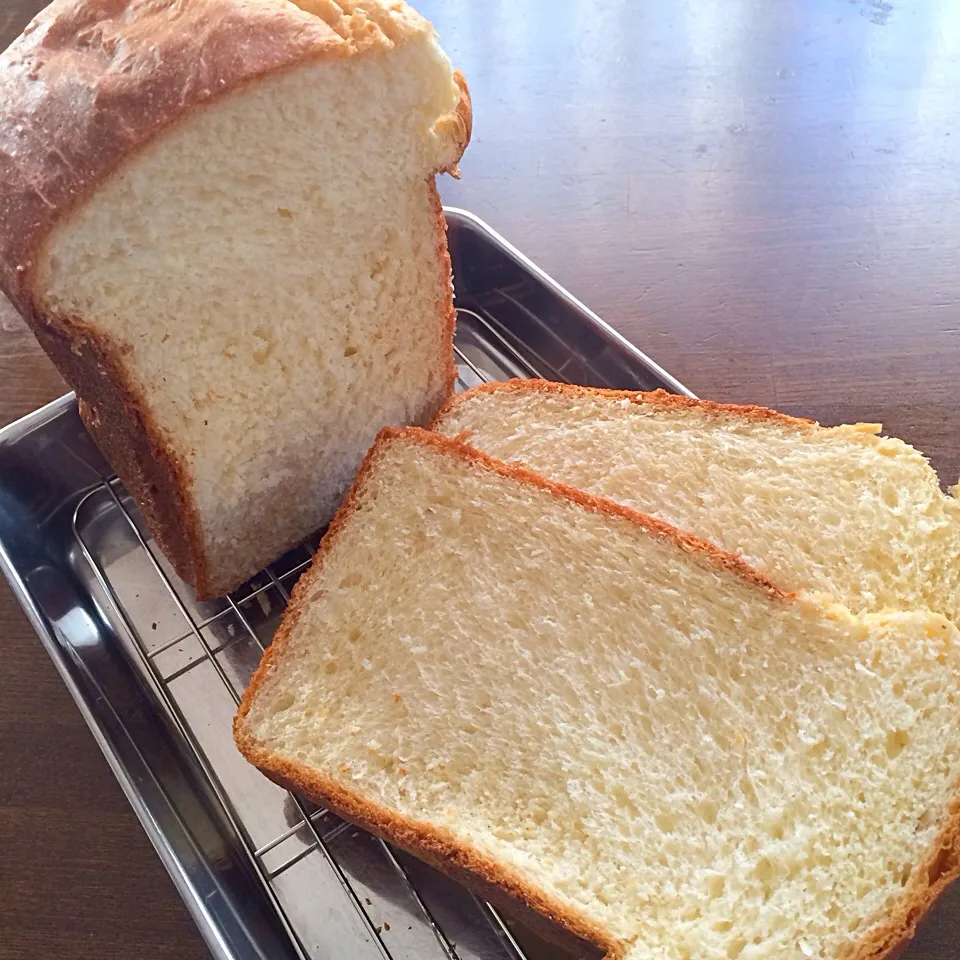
(462, 861)
(653, 398)
(658, 529)
(88, 85)
(458, 126)
(122, 426)
(929, 879)
(449, 311)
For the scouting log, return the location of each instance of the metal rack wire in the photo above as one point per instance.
(314, 828)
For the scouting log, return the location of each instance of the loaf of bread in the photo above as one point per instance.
(838, 510)
(577, 708)
(220, 219)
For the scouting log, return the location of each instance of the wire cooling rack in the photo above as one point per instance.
(337, 891)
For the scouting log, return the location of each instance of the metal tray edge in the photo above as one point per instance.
(601, 325)
(194, 903)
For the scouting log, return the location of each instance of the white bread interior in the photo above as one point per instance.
(646, 734)
(838, 510)
(274, 270)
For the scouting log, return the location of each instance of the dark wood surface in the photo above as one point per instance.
(762, 194)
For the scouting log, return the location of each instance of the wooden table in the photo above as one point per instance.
(763, 195)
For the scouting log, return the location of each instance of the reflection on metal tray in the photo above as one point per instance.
(157, 676)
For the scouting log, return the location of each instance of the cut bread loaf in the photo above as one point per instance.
(220, 219)
(838, 510)
(579, 709)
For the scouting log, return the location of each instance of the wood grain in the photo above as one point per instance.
(761, 194)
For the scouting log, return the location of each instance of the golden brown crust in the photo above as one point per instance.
(449, 311)
(86, 87)
(654, 398)
(887, 940)
(119, 420)
(128, 438)
(440, 847)
(458, 126)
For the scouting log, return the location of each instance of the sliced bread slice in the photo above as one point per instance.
(582, 710)
(834, 509)
(220, 219)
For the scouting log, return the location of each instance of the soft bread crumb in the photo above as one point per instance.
(661, 746)
(273, 269)
(835, 510)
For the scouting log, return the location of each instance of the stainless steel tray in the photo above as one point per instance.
(157, 675)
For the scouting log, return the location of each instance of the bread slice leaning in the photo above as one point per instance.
(219, 218)
(838, 510)
(579, 709)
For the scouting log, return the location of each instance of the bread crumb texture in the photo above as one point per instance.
(271, 265)
(837, 510)
(657, 744)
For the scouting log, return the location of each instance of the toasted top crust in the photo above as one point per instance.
(91, 81)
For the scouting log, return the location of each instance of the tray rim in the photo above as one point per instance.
(602, 327)
(204, 918)
(196, 907)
